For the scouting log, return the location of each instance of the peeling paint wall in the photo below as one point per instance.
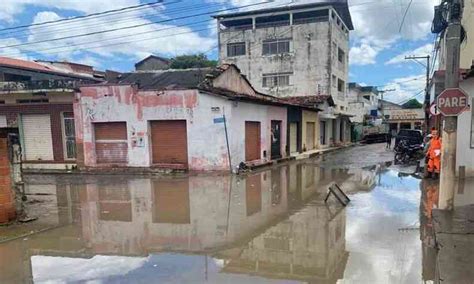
(207, 148)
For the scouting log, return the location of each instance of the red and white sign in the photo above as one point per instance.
(434, 109)
(451, 102)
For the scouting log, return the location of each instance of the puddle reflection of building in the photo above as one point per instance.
(308, 245)
(191, 214)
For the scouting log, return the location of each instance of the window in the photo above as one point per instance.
(272, 21)
(310, 17)
(236, 49)
(273, 80)
(334, 81)
(340, 85)
(2, 102)
(341, 55)
(276, 47)
(69, 136)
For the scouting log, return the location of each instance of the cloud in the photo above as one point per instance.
(420, 51)
(405, 88)
(363, 54)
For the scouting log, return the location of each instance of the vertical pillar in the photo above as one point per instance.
(7, 200)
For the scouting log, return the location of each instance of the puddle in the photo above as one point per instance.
(269, 226)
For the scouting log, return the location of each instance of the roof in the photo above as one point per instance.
(389, 103)
(44, 67)
(310, 100)
(197, 78)
(166, 79)
(166, 60)
(340, 6)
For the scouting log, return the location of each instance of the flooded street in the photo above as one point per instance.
(269, 226)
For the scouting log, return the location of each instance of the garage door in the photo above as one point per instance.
(111, 142)
(169, 142)
(37, 137)
(252, 140)
(310, 135)
(293, 137)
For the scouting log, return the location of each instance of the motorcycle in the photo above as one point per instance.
(406, 154)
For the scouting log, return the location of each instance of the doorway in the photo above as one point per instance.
(276, 139)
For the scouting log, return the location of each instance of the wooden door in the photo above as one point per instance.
(169, 142)
(252, 141)
(293, 137)
(310, 135)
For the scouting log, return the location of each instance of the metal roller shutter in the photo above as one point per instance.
(37, 137)
(111, 142)
(169, 142)
(252, 141)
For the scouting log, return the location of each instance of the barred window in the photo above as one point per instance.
(273, 80)
(275, 47)
(236, 49)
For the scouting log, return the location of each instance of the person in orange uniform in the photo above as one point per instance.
(434, 154)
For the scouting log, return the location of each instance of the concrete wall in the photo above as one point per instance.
(242, 112)
(310, 58)
(123, 103)
(465, 140)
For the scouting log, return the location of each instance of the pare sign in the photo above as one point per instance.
(451, 102)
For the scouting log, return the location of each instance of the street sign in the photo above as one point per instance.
(451, 102)
(434, 109)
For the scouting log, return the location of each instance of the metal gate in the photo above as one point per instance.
(276, 139)
(111, 142)
(169, 143)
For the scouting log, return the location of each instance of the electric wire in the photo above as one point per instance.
(133, 26)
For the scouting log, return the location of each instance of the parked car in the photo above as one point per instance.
(412, 136)
(374, 138)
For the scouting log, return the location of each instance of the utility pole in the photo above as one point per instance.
(426, 104)
(448, 156)
(381, 92)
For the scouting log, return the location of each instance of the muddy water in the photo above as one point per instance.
(265, 227)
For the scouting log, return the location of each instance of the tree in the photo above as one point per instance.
(413, 103)
(192, 61)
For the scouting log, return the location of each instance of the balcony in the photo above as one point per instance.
(39, 86)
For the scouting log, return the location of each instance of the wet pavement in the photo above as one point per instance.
(270, 226)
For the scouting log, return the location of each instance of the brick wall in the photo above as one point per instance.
(12, 113)
(7, 200)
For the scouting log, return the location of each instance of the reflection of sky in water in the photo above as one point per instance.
(379, 252)
(156, 268)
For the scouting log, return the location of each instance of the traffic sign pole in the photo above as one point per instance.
(448, 156)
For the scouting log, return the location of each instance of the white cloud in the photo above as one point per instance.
(363, 54)
(420, 51)
(405, 88)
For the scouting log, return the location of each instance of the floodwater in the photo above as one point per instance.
(270, 226)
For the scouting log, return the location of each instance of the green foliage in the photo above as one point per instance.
(192, 61)
(413, 103)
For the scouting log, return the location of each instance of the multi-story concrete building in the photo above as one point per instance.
(294, 51)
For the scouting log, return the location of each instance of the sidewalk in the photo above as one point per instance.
(316, 152)
(454, 234)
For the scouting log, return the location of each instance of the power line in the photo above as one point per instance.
(87, 16)
(405, 15)
(115, 22)
(133, 26)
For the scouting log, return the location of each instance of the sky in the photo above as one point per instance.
(378, 44)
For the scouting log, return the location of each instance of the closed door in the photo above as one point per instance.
(276, 139)
(252, 140)
(310, 135)
(322, 131)
(37, 137)
(111, 142)
(293, 137)
(169, 142)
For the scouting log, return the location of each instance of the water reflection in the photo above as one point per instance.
(277, 224)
